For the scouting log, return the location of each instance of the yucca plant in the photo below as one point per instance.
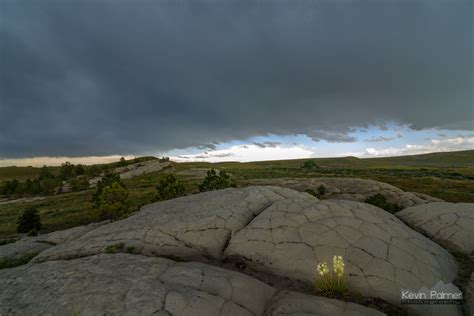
(331, 283)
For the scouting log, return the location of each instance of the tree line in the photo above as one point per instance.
(48, 183)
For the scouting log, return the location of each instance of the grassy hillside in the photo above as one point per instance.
(24, 173)
(449, 176)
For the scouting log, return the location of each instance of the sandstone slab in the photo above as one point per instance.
(125, 284)
(24, 249)
(352, 189)
(382, 254)
(449, 224)
(192, 227)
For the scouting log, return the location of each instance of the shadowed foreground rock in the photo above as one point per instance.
(292, 303)
(382, 254)
(449, 224)
(124, 284)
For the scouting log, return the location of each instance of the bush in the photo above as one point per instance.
(33, 232)
(108, 179)
(122, 162)
(321, 190)
(309, 165)
(79, 170)
(28, 221)
(67, 171)
(169, 188)
(381, 201)
(332, 284)
(79, 184)
(214, 181)
(113, 203)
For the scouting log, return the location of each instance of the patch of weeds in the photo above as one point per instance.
(16, 261)
(114, 248)
(321, 190)
(319, 193)
(381, 201)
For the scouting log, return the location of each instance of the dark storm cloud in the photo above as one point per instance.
(379, 139)
(105, 77)
(266, 144)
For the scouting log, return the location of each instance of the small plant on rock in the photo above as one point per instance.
(114, 248)
(331, 284)
(214, 181)
(169, 188)
(28, 221)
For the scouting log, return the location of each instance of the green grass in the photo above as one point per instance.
(449, 176)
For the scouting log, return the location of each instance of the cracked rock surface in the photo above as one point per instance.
(192, 227)
(449, 224)
(382, 254)
(292, 303)
(277, 232)
(125, 284)
(352, 189)
(29, 246)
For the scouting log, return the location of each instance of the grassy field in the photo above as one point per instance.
(449, 176)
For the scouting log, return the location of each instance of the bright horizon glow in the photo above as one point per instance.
(385, 141)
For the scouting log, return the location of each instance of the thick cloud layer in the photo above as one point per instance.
(105, 77)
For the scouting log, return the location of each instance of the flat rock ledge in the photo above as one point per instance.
(352, 189)
(382, 254)
(125, 284)
(26, 248)
(195, 227)
(449, 224)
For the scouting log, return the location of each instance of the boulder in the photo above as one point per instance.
(352, 189)
(125, 284)
(449, 224)
(382, 254)
(195, 227)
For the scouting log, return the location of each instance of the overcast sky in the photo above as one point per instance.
(238, 80)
